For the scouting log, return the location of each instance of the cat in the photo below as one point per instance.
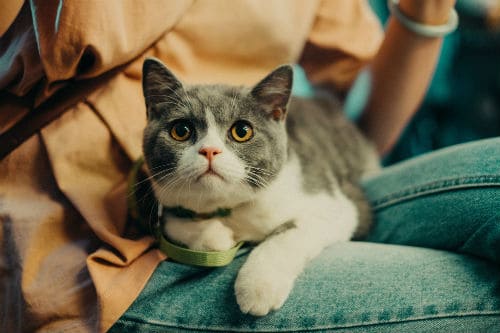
(287, 167)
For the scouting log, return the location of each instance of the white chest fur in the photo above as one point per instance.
(265, 280)
(286, 201)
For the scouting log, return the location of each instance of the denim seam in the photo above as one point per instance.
(326, 327)
(437, 186)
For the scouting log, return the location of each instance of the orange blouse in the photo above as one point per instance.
(62, 192)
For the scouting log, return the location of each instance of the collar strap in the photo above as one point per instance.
(182, 212)
(193, 257)
(197, 258)
(173, 251)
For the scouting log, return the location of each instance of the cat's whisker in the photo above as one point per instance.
(135, 186)
(258, 182)
(188, 179)
(251, 175)
(260, 174)
(256, 174)
(256, 177)
(156, 175)
(161, 166)
(259, 170)
(183, 177)
(165, 176)
(152, 213)
(169, 100)
(190, 101)
(170, 184)
(200, 196)
(180, 190)
(160, 180)
(180, 99)
(233, 101)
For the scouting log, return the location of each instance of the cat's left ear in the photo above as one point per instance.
(273, 92)
(159, 84)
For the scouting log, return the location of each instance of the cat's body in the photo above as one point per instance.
(291, 184)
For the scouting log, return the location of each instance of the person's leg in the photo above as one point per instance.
(350, 287)
(448, 199)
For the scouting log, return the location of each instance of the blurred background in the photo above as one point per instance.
(463, 102)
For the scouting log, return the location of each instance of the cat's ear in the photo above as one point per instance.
(273, 92)
(159, 84)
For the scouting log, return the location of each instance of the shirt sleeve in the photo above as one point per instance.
(346, 34)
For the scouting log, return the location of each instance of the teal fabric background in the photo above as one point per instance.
(463, 101)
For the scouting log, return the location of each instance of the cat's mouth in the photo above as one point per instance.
(210, 173)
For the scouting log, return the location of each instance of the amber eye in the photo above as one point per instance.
(241, 131)
(181, 131)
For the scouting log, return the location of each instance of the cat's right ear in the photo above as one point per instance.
(159, 84)
(273, 92)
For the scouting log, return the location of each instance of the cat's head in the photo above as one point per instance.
(210, 146)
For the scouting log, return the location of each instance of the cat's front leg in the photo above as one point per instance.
(267, 277)
(205, 235)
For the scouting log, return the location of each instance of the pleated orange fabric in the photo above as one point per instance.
(69, 260)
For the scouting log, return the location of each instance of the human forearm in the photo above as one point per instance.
(401, 72)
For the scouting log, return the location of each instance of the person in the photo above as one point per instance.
(465, 79)
(71, 120)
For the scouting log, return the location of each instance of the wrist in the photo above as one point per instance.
(421, 25)
(431, 12)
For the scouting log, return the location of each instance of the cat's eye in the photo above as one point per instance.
(181, 131)
(241, 131)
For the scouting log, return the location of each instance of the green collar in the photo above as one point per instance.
(188, 256)
(185, 213)
(155, 226)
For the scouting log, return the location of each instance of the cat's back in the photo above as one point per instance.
(325, 141)
(332, 152)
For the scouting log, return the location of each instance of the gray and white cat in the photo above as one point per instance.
(286, 167)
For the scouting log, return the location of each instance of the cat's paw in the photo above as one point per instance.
(214, 237)
(258, 292)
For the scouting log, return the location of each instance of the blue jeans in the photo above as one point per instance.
(431, 263)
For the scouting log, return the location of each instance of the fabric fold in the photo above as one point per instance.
(69, 259)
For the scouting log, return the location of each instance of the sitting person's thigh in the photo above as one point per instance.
(350, 287)
(448, 199)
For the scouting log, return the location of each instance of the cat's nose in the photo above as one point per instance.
(209, 152)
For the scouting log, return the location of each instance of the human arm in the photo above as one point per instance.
(401, 71)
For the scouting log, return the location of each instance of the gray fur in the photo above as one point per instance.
(332, 152)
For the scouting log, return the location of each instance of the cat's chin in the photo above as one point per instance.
(207, 193)
(210, 177)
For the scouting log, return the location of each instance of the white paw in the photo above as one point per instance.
(214, 237)
(259, 292)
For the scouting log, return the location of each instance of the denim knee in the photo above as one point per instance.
(351, 287)
(445, 200)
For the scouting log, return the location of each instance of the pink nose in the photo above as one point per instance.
(209, 152)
